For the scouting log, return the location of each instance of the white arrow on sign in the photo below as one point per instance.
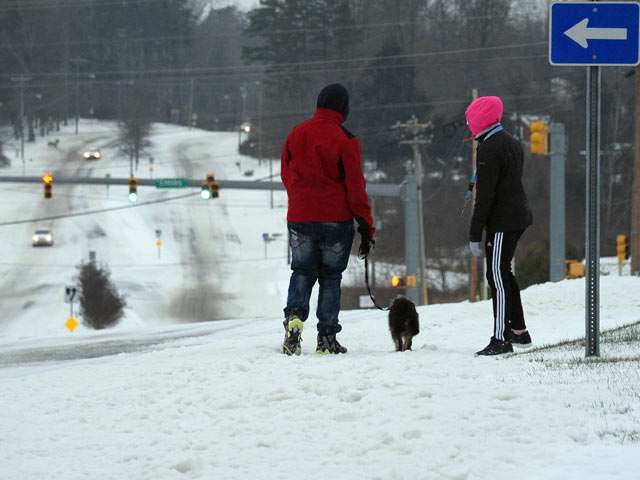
(579, 33)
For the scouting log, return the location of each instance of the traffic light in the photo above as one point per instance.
(573, 269)
(403, 281)
(622, 248)
(205, 193)
(133, 190)
(539, 138)
(214, 187)
(47, 179)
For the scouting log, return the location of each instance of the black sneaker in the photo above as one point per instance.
(292, 336)
(495, 347)
(328, 345)
(521, 341)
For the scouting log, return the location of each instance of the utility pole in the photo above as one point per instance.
(21, 80)
(77, 62)
(415, 142)
(259, 85)
(190, 116)
(634, 244)
(243, 95)
(474, 259)
(557, 223)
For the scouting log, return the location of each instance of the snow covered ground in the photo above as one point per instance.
(216, 399)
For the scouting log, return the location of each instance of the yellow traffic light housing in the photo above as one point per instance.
(47, 179)
(133, 189)
(215, 190)
(403, 281)
(539, 138)
(622, 248)
(214, 187)
(573, 269)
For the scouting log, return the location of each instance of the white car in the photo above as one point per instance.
(92, 154)
(42, 237)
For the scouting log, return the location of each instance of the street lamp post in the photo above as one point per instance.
(77, 62)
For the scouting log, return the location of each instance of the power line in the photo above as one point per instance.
(248, 69)
(224, 79)
(65, 4)
(94, 212)
(243, 33)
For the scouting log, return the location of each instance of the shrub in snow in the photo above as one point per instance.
(100, 304)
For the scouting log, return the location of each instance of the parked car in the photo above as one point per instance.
(43, 236)
(92, 154)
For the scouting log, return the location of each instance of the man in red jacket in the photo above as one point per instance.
(326, 188)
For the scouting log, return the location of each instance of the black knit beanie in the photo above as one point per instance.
(335, 97)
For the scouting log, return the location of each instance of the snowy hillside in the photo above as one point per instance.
(155, 399)
(213, 257)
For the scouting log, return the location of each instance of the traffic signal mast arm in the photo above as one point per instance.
(383, 189)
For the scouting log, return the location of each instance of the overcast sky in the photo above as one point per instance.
(240, 4)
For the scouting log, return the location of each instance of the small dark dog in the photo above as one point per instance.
(403, 322)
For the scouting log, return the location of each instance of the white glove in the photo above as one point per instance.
(475, 248)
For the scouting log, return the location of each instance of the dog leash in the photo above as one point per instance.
(366, 280)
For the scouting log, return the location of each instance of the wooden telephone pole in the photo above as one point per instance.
(416, 129)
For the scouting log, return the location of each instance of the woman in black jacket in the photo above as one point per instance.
(501, 207)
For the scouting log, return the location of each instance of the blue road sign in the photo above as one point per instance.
(594, 33)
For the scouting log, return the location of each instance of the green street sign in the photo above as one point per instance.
(171, 183)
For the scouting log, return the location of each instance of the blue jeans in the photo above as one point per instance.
(320, 251)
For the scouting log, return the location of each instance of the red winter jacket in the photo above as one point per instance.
(321, 171)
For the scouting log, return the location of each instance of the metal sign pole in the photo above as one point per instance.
(594, 34)
(592, 303)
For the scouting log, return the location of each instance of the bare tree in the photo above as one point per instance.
(135, 123)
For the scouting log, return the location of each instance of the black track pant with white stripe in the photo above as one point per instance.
(507, 307)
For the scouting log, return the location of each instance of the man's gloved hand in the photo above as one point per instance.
(475, 248)
(367, 246)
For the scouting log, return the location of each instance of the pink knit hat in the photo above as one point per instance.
(482, 113)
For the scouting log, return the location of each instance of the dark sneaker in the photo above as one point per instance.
(292, 336)
(495, 347)
(521, 341)
(328, 345)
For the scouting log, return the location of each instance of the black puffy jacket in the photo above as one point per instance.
(501, 204)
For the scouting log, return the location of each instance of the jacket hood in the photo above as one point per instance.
(482, 113)
(335, 97)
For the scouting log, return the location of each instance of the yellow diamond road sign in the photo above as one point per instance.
(71, 324)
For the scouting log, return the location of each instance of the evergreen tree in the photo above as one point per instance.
(299, 39)
(101, 306)
(388, 91)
